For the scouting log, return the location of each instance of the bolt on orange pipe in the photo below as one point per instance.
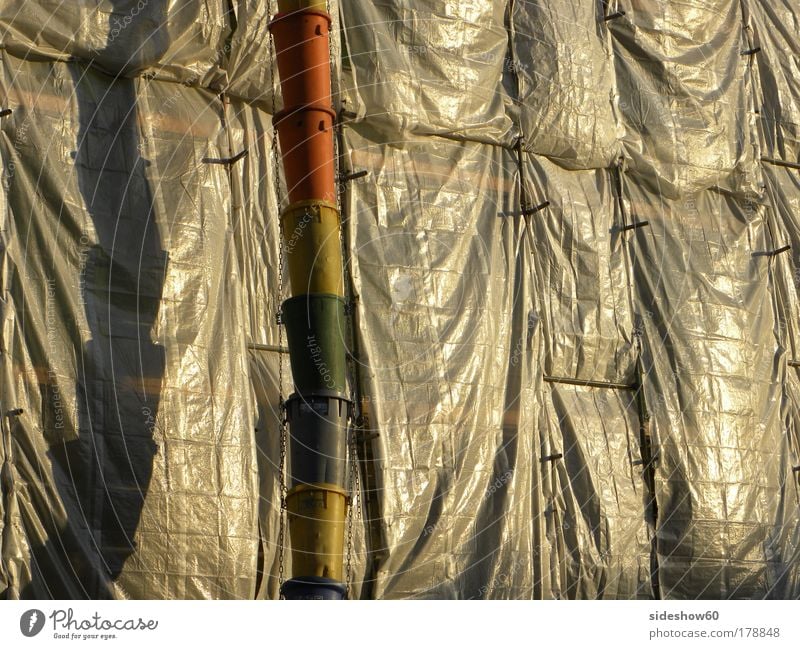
(306, 137)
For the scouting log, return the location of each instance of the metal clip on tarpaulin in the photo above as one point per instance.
(632, 226)
(5, 112)
(772, 253)
(315, 314)
(260, 347)
(588, 383)
(781, 163)
(527, 211)
(354, 175)
(226, 161)
(613, 16)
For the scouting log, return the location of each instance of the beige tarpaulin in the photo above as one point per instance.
(550, 198)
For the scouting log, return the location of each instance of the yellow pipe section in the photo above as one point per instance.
(297, 5)
(313, 248)
(316, 524)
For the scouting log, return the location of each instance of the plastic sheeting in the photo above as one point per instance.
(132, 464)
(550, 198)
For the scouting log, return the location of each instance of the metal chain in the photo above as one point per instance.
(354, 510)
(282, 484)
(351, 488)
(332, 49)
(281, 403)
(357, 472)
(353, 481)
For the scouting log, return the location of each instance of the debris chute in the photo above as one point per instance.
(314, 316)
